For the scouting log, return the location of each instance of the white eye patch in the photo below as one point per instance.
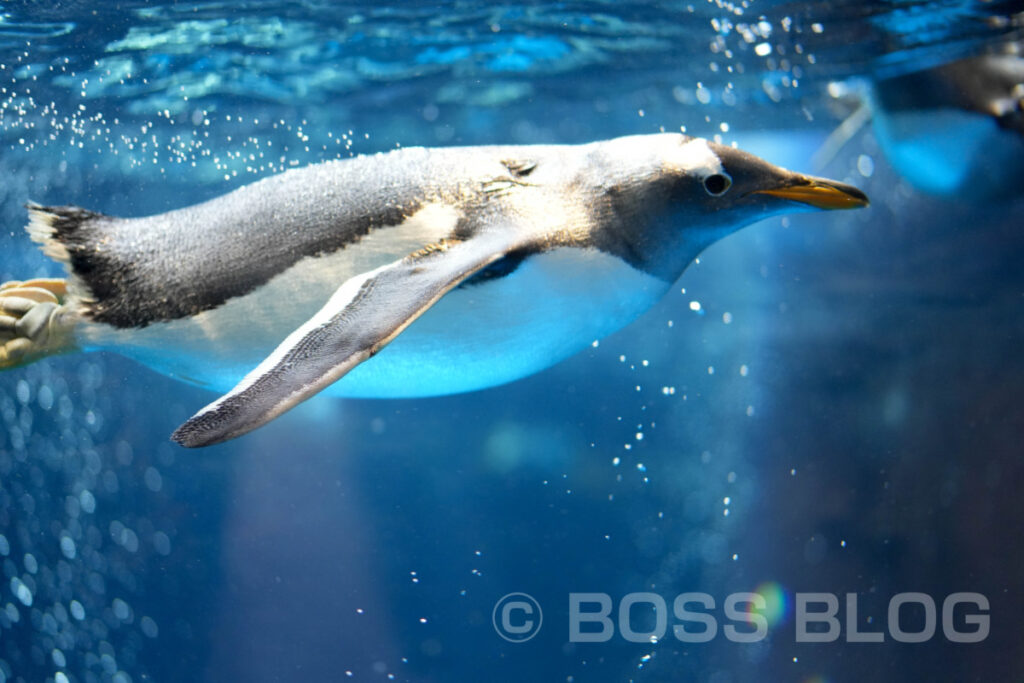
(696, 158)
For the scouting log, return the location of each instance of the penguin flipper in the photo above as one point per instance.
(366, 313)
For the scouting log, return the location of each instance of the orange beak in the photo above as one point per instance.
(820, 193)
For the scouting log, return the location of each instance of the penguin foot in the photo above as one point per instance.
(33, 321)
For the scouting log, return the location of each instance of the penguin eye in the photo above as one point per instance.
(717, 184)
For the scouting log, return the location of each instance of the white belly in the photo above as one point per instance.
(552, 306)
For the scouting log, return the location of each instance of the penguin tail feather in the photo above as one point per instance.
(71, 235)
(59, 228)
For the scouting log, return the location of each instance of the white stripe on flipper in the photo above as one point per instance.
(338, 301)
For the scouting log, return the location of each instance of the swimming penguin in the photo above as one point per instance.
(956, 129)
(500, 261)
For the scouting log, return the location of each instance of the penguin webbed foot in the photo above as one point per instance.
(30, 322)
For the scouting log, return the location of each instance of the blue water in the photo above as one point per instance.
(823, 403)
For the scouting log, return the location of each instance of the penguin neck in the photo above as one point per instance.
(685, 244)
(665, 243)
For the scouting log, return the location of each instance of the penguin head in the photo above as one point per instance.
(741, 185)
(693, 192)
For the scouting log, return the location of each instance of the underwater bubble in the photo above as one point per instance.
(60, 613)
(45, 397)
(49, 624)
(865, 165)
(129, 539)
(23, 392)
(87, 501)
(162, 543)
(149, 627)
(12, 613)
(72, 507)
(21, 591)
(154, 482)
(124, 453)
(65, 407)
(17, 438)
(121, 609)
(93, 465)
(5, 547)
(107, 662)
(77, 611)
